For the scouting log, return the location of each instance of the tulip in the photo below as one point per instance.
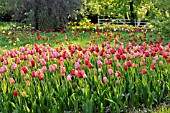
(43, 62)
(99, 62)
(23, 94)
(51, 68)
(99, 70)
(105, 80)
(44, 69)
(5, 62)
(86, 61)
(105, 61)
(72, 72)
(24, 69)
(125, 67)
(33, 74)
(55, 66)
(153, 61)
(27, 83)
(90, 65)
(77, 65)
(160, 63)
(15, 92)
(41, 76)
(84, 76)
(123, 57)
(12, 81)
(13, 67)
(3, 69)
(118, 64)
(128, 63)
(110, 71)
(147, 54)
(118, 74)
(153, 66)
(33, 63)
(69, 77)
(143, 71)
(62, 69)
(80, 74)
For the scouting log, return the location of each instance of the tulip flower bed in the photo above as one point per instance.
(108, 74)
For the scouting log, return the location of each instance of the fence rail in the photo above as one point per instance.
(123, 22)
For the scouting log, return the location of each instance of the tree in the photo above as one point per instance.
(45, 14)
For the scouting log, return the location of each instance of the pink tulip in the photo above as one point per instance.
(17, 60)
(115, 58)
(44, 69)
(12, 81)
(154, 62)
(43, 62)
(99, 63)
(14, 67)
(105, 80)
(118, 64)
(84, 76)
(99, 58)
(105, 61)
(62, 69)
(51, 68)
(3, 69)
(99, 70)
(108, 56)
(156, 58)
(69, 77)
(160, 63)
(77, 65)
(143, 71)
(110, 71)
(5, 62)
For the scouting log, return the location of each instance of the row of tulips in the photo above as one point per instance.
(113, 76)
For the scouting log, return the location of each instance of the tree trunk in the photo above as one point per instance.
(36, 15)
(132, 15)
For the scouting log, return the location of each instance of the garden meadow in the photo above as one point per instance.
(83, 70)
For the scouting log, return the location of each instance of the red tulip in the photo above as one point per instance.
(24, 69)
(15, 92)
(147, 54)
(128, 63)
(118, 74)
(33, 63)
(86, 61)
(33, 74)
(90, 65)
(153, 66)
(125, 67)
(72, 72)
